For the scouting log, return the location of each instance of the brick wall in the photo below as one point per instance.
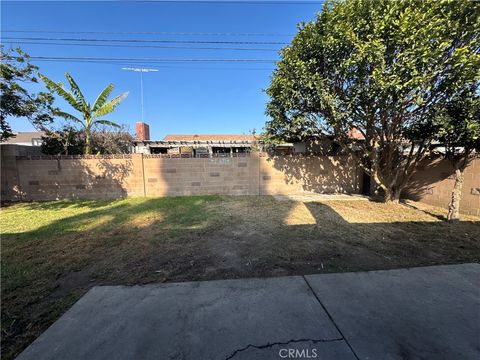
(142, 131)
(433, 181)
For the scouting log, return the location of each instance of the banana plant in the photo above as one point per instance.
(91, 114)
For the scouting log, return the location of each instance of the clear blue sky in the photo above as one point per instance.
(179, 98)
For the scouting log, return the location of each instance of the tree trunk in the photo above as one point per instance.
(454, 206)
(391, 192)
(392, 196)
(88, 148)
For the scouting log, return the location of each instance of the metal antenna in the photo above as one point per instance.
(141, 71)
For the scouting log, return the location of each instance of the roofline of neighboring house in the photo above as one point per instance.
(193, 142)
(24, 138)
(165, 138)
(209, 143)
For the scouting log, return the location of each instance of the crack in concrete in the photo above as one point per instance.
(269, 345)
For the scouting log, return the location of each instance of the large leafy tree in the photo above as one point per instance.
(16, 101)
(91, 115)
(458, 122)
(380, 67)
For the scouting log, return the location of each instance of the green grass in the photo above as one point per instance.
(55, 218)
(53, 252)
(44, 243)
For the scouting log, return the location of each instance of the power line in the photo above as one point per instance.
(151, 60)
(141, 46)
(180, 66)
(147, 41)
(146, 33)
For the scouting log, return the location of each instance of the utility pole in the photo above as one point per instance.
(141, 71)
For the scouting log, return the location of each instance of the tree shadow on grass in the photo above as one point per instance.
(419, 208)
(137, 241)
(64, 204)
(121, 241)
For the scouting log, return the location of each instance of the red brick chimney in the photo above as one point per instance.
(142, 131)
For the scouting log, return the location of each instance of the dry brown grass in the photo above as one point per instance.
(53, 252)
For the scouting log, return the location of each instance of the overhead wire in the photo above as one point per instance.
(140, 46)
(146, 33)
(147, 41)
(181, 66)
(160, 60)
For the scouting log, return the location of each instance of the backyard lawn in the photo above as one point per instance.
(53, 252)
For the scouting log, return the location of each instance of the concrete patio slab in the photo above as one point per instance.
(420, 313)
(201, 320)
(330, 350)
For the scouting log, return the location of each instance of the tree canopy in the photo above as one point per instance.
(381, 67)
(457, 123)
(16, 101)
(458, 126)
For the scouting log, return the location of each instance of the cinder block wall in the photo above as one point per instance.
(48, 178)
(433, 182)
(10, 187)
(250, 175)
(296, 174)
(198, 176)
(92, 178)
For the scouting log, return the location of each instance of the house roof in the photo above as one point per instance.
(354, 133)
(25, 137)
(210, 137)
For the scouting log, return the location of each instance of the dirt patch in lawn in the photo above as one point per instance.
(53, 252)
